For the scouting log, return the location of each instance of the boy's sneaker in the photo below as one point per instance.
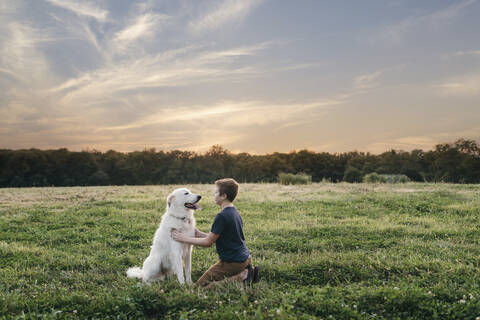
(253, 274)
(249, 277)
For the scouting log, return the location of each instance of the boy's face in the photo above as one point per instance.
(217, 197)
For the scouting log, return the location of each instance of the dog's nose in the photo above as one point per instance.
(199, 197)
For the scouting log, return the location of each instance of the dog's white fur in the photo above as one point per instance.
(166, 255)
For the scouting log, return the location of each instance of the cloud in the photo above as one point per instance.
(299, 66)
(138, 75)
(451, 12)
(226, 12)
(82, 8)
(189, 127)
(20, 57)
(233, 114)
(467, 53)
(468, 85)
(395, 33)
(196, 127)
(112, 93)
(462, 54)
(144, 27)
(366, 81)
(192, 113)
(178, 67)
(22, 68)
(90, 37)
(8, 7)
(217, 56)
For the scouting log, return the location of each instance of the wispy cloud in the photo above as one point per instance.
(467, 53)
(366, 81)
(395, 33)
(82, 8)
(467, 85)
(9, 6)
(450, 12)
(298, 66)
(191, 127)
(192, 113)
(372, 80)
(174, 68)
(143, 27)
(220, 14)
(461, 54)
(225, 122)
(233, 114)
(19, 54)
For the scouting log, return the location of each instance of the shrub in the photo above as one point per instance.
(385, 178)
(352, 174)
(374, 178)
(397, 178)
(290, 178)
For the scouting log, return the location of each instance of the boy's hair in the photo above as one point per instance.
(229, 187)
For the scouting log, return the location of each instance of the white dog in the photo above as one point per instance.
(166, 255)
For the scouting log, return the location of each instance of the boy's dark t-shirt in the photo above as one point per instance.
(231, 243)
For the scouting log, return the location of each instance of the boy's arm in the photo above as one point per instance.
(203, 242)
(200, 234)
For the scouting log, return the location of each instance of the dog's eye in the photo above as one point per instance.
(186, 192)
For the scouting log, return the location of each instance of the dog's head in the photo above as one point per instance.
(183, 198)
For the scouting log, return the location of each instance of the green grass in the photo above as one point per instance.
(327, 251)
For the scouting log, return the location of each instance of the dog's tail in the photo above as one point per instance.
(135, 272)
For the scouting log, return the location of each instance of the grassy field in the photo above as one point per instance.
(327, 251)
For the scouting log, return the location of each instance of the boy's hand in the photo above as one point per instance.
(178, 235)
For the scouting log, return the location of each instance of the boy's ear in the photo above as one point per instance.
(170, 198)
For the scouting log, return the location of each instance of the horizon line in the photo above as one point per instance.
(94, 150)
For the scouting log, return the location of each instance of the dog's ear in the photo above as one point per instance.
(170, 198)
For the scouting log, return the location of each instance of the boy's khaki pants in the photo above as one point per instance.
(222, 270)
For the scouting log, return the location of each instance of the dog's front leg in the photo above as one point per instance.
(188, 264)
(177, 267)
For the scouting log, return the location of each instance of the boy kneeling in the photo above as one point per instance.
(235, 262)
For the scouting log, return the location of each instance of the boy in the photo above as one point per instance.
(234, 262)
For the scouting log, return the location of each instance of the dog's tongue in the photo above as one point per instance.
(196, 206)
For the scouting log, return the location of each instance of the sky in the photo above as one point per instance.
(257, 76)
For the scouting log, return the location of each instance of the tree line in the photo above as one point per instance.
(457, 162)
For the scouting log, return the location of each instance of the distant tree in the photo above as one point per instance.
(468, 147)
(445, 164)
(469, 167)
(241, 167)
(99, 178)
(457, 162)
(17, 182)
(108, 164)
(276, 163)
(301, 161)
